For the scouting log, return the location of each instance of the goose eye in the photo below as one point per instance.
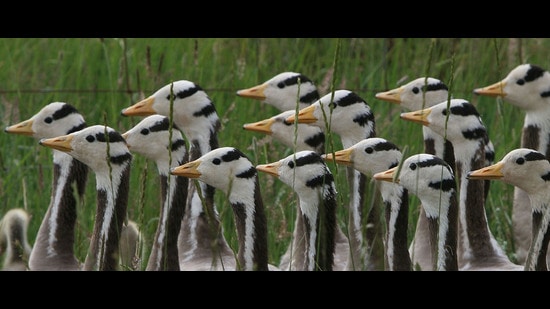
(415, 90)
(369, 150)
(412, 166)
(445, 112)
(291, 164)
(216, 161)
(170, 97)
(144, 131)
(520, 82)
(520, 161)
(90, 138)
(281, 85)
(48, 120)
(333, 105)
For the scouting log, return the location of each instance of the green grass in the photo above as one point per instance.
(102, 76)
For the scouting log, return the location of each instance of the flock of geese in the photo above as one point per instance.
(179, 133)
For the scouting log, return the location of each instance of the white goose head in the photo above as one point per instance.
(527, 86)
(54, 119)
(306, 137)
(457, 119)
(525, 168)
(283, 90)
(193, 110)
(425, 176)
(343, 112)
(417, 94)
(152, 138)
(369, 156)
(225, 168)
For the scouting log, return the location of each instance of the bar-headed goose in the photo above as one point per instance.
(432, 180)
(105, 152)
(527, 87)
(371, 156)
(230, 171)
(53, 247)
(530, 170)
(307, 174)
(347, 114)
(194, 113)
(14, 245)
(461, 123)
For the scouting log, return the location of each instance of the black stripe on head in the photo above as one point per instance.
(351, 98)
(77, 128)
(316, 140)
(464, 109)
(534, 156)
(478, 133)
(178, 144)
(114, 137)
(364, 119)
(311, 158)
(161, 125)
(186, 93)
(434, 161)
(444, 185)
(120, 159)
(250, 173)
(310, 97)
(206, 111)
(385, 146)
(293, 81)
(64, 111)
(320, 180)
(435, 87)
(233, 155)
(545, 94)
(533, 73)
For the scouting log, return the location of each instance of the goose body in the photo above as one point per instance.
(53, 248)
(424, 92)
(432, 180)
(348, 115)
(374, 155)
(151, 138)
(530, 170)
(92, 146)
(460, 122)
(14, 245)
(229, 170)
(194, 113)
(307, 174)
(526, 87)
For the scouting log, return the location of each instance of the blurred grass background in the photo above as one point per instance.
(101, 76)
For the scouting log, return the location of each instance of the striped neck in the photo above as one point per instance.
(396, 201)
(54, 244)
(112, 202)
(251, 224)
